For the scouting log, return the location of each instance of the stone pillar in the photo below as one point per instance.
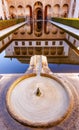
(76, 9)
(70, 9)
(76, 12)
(1, 10)
(6, 9)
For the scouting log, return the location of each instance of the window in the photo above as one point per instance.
(23, 43)
(38, 43)
(16, 43)
(53, 43)
(74, 42)
(61, 42)
(46, 42)
(30, 43)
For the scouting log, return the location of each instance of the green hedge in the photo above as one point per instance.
(72, 22)
(7, 23)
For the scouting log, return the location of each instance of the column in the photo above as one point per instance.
(6, 9)
(1, 10)
(76, 12)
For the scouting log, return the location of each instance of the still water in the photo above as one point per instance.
(13, 65)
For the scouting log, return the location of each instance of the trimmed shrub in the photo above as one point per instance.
(72, 22)
(7, 23)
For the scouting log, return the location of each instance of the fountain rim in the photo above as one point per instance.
(33, 124)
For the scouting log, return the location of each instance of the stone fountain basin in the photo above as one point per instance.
(47, 109)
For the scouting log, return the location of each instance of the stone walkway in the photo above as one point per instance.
(69, 29)
(6, 31)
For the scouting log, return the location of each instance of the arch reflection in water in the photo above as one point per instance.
(38, 17)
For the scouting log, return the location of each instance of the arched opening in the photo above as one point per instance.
(47, 11)
(46, 50)
(38, 23)
(22, 31)
(29, 18)
(39, 14)
(38, 3)
(29, 12)
(61, 31)
(30, 51)
(17, 50)
(65, 10)
(38, 50)
(38, 11)
(60, 50)
(56, 10)
(38, 17)
(20, 11)
(54, 30)
(47, 16)
(53, 50)
(12, 11)
(23, 50)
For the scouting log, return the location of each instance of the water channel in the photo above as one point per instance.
(13, 65)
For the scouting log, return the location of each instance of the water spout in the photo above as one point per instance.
(38, 93)
(39, 64)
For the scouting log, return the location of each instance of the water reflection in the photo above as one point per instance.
(25, 49)
(8, 65)
(37, 38)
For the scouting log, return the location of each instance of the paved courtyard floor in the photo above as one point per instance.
(70, 123)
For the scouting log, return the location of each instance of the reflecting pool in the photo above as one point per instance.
(37, 38)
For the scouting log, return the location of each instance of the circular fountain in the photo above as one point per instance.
(40, 100)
